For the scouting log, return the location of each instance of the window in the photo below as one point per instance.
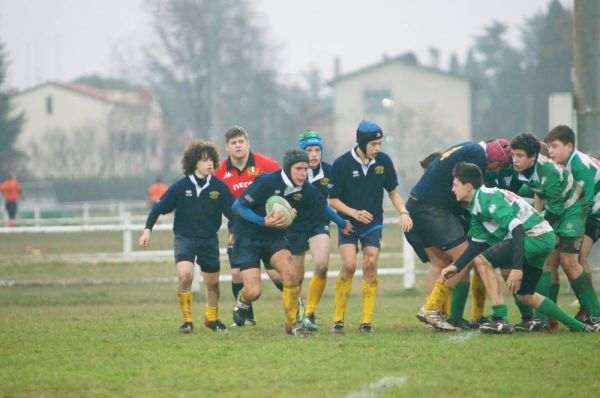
(377, 101)
(49, 105)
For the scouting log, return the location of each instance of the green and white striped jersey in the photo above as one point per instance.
(496, 212)
(553, 183)
(586, 171)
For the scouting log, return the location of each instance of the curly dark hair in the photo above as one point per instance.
(528, 143)
(198, 150)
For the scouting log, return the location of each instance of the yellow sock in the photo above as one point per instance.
(212, 313)
(369, 291)
(438, 296)
(243, 298)
(185, 303)
(290, 303)
(447, 304)
(316, 287)
(342, 294)
(478, 293)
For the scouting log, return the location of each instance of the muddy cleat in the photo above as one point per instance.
(437, 320)
(462, 324)
(216, 326)
(300, 311)
(186, 328)
(583, 315)
(240, 312)
(366, 328)
(309, 322)
(337, 328)
(296, 330)
(592, 328)
(532, 325)
(421, 315)
(496, 326)
(475, 324)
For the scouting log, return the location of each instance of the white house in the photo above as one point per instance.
(421, 109)
(75, 130)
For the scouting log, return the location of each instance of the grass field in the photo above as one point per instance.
(119, 340)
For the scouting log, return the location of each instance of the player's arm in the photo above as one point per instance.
(405, 219)
(362, 216)
(165, 205)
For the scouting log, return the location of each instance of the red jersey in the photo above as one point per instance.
(237, 180)
(11, 189)
(156, 190)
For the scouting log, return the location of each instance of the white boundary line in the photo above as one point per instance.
(374, 388)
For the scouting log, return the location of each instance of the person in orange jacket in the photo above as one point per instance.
(12, 192)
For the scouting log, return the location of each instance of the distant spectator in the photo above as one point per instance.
(11, 190)
(156, 190)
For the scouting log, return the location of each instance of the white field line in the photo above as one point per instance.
(461, 337)
(374, 388)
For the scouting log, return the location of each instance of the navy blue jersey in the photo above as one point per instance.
(198, 211)
(361, 186)
(305, 199)
(307, 221)
(435, 185)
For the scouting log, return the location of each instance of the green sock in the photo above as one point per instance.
(500, 311)
(543, 288)
(525, 310)
(583, 287)
(553, 311)
(459, 299)
(553, 292)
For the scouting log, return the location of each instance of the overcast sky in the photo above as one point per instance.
(63, 39)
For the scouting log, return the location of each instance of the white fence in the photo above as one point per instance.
(127, 227)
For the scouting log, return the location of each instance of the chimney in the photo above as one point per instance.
(336, 67)
(434, 57)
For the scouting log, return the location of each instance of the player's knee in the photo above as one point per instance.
(252, 293)
(321, 270)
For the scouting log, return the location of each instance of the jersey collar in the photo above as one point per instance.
(289, 186)
(365, 167)
(312, 177)
(249, 163)
(198, 188)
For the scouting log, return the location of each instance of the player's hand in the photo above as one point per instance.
(513, 282)
(231, 239)
(363, 216)
(144, 239)
(405, 222)
(348, 228)
(448, 272)
(273, 220)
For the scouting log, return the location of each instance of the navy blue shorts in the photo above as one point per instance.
(435, 226)
(299, 240)
(247, 253)
(371, 237)
(204, 251)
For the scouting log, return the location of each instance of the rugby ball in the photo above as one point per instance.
(278, 204)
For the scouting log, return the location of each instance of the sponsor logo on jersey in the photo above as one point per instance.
(249, 198)
(228, 175)
(379, 170)
(188, 192)
(214, 194)
(241, 185)
(355, 173)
